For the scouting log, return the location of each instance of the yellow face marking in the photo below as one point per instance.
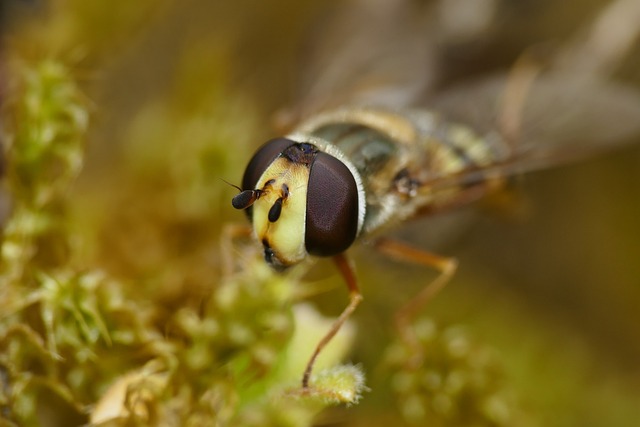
(286, 235)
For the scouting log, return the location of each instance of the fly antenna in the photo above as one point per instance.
(233, 185)
(245, 198)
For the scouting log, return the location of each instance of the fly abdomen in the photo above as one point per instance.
(368, 149)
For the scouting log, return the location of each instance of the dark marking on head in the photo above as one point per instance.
(268, 253)
(276, 210)
(271, 258)
(301, 153)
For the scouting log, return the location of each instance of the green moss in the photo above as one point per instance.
(450, 381)
(81, 343)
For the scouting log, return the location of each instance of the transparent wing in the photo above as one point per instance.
(373, 52)
(386, 53)
(573, 110)
(560, 114)
(562, 119)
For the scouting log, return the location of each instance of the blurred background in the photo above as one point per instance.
(181, 93)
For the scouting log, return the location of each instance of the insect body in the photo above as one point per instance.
(350, 173)
(347, 174)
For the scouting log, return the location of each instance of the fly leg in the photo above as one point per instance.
(444, 265)
(347, 272)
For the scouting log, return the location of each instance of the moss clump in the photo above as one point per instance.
(79, 345)
(454, 381)
(44, 121)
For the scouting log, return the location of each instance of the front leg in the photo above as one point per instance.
(347, 271)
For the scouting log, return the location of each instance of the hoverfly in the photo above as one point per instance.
(349, 173)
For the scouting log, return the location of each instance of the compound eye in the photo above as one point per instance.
(332, 207)
(261, 161)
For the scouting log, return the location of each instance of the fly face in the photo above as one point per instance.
(301, 200)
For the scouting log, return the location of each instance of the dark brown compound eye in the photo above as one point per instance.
(261, 160)
(332, 207)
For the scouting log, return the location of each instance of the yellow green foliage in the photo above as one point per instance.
(79, 345)
(127, 298)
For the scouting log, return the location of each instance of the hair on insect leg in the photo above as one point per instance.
(346, 269)
(446, 266)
